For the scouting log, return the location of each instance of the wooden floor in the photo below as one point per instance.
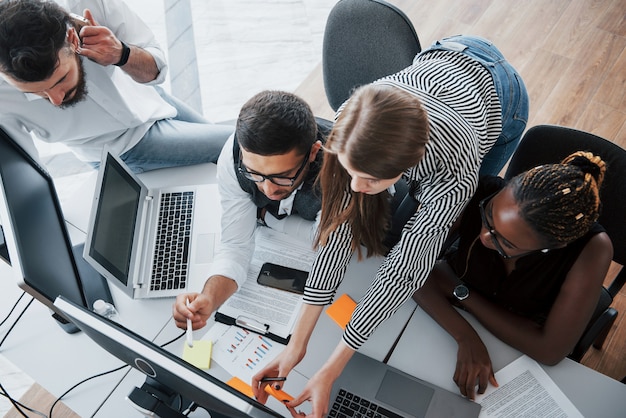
(40, 400)
(572, 57)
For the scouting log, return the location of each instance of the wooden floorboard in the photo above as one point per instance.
(40, 400)
(572, 57)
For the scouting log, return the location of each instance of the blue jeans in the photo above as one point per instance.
(510, 89)
(185, 139)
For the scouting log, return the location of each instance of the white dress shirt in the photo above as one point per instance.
(239, 221)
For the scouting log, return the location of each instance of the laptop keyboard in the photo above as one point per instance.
(347, 404)
(171, 252)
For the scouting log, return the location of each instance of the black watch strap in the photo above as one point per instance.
(125, 54)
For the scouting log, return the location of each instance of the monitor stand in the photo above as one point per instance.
(93, 285)
(155, 399)
(66, 325)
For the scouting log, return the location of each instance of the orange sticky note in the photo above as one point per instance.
(241, 386)
(246, 389)
(341, 310)
(278, 394)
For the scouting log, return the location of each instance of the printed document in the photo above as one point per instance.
(240, 352)
(525, 390)
(277, 308)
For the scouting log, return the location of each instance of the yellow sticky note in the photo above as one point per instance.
(241, 386)
(199, 355)
(341, 310)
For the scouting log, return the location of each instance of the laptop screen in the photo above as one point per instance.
(115, 220)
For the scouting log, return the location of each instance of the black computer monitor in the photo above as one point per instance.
(36, 240)
(191, 383)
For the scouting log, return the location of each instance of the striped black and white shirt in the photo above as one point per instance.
(464, 114)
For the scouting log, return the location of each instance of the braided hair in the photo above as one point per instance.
(561, 201)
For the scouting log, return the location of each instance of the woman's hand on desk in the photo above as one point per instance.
(316, 391)
(279, 367)
(292, 354)
(473, 365)
(318, 388)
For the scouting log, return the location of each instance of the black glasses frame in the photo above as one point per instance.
(494, 234)
(490, 228)
(277, 180)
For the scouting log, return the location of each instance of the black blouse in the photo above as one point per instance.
(532, 287)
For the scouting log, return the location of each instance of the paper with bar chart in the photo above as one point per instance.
(240, 352)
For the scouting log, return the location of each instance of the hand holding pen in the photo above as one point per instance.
(272, 375)
(195, 306)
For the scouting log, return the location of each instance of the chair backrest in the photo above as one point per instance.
(550, 144)
(364, 40)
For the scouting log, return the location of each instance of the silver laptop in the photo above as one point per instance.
(370, 388)
(150, 242)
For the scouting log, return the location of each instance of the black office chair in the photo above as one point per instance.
(550, 144)
(364, 40)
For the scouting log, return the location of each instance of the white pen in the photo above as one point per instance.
(189, 330)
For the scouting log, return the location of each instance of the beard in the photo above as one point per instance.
(80, 90)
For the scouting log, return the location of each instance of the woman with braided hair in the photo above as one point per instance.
(530, 263)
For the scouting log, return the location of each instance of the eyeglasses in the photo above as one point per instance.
(490, 229)
(277, 180)
(494, 234)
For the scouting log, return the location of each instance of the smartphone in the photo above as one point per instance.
(79, 21)
(281, 277)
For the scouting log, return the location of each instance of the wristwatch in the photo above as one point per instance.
(460, 292)
(125, 54)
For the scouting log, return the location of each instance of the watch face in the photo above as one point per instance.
(461, 292)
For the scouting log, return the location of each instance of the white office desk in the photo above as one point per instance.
(58, 361)
(326, 336)
(427, 351)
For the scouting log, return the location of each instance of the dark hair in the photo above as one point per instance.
(561, 202)
(276, 122)
(32, 32)
(383, 130)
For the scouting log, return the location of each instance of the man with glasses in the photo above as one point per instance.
(266, 172)
(91, 81)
